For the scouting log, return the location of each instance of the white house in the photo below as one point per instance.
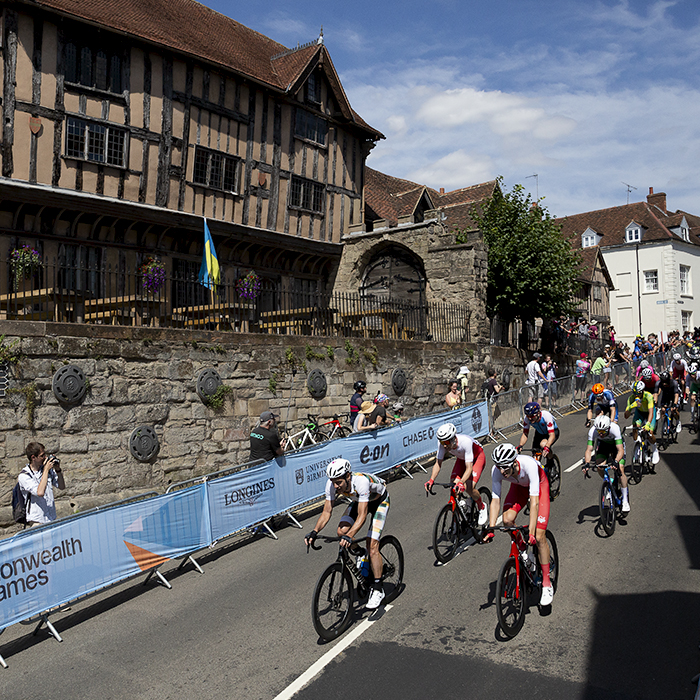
(652, 256)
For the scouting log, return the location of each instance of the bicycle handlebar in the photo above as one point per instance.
(327, 538)
(444, 485)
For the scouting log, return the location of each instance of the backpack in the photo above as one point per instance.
(484, 390)
(20, 505)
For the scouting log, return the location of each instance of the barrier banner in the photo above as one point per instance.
(253, 495)
(42, 569)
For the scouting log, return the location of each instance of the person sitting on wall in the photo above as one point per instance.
(362, 421)
(453, 399)
(379, 415)
(264, 439)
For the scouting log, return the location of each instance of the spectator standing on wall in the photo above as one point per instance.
(582, 367)
(264, 440)
(37, 480)
(463, 378)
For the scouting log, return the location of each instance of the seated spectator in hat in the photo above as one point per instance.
(362, 421)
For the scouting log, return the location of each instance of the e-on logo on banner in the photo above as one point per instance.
(248, 495)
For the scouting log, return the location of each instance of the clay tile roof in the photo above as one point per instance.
(191, 28)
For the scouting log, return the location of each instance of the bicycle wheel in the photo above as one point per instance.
(331, 607)
(665, 436)
(392, 571)
(554, 474)
(510, 599)
(320, 436)
(445, 534)
(606, 504)
(477, 530)
(636, 467)
(341, 432)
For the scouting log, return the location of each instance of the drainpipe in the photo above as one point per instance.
(639, 291)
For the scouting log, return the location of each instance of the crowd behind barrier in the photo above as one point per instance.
(560, 395)
(47, 567)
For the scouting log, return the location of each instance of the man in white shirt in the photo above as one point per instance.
(534, 376)
(37, 480)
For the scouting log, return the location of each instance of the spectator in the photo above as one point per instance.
(593, 330)
(549, 369)
(463, 378)
(583, 328)
(620, 360)
(453, 399)
(598, 366)
(607, 370)
(582, 367)
(264, 440)
(611, 333)
(360, 388)
(37, 481)
(534, 375)
(397, 411)
(362, 421)
(379, 415)
(492, 384)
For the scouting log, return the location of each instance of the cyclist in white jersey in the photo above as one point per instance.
(368, 497)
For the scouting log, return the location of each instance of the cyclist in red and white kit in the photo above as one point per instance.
(469, 463)
(679, 368)
(528, 481)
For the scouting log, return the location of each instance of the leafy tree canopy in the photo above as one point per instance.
(532, 268)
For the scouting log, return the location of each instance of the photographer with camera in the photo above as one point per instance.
(37, 480)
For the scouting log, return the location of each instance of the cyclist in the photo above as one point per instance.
(651, 381)
(527, 479)
(694, 390)
(600, 401)
(546, 430)
(369, 500)
(642, 365)
(605, 441)
(679, 368)
(641, 404)
(669, 397)
(469, 463)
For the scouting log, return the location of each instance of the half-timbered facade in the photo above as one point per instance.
(126, 122)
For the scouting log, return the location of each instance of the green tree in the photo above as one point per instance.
(532, 268)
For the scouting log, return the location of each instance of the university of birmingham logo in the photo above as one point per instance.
(299, 476)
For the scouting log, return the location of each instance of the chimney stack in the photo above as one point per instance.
(657, 200)
(442, 190)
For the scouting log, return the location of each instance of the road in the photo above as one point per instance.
(625, 622)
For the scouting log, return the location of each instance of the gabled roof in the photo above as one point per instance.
(389, 198)
(611, 224)
(590, 258)
(188, 27)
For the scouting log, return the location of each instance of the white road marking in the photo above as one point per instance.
(574, 466)
(317, 667)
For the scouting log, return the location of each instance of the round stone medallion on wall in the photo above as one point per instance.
(398, 381)
(316, 382)
(69, 385)
(143, 443)
(208, 381)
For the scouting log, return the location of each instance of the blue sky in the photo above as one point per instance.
(586, 94)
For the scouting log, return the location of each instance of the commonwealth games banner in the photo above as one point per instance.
(52, 565)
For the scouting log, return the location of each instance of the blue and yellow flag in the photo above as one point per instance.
(209, 274)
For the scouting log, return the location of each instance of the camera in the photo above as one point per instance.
(55, 461)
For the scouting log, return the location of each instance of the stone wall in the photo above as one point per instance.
(455, 273)
(147, 376)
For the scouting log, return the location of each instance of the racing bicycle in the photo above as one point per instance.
(552, 469)
(332, 428)
(342, 583)
(308, 435)
(456, 521)
(641, 456)
(668, 427)
(610, 500)
(519, 583)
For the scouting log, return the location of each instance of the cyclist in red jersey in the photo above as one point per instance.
(469, 463)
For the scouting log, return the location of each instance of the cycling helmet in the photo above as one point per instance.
(602, 425)
(694, 353)
(398, 406)
(532, 410)
(676, 356)
(598, 388)
(665, 377)
(639, 388)
(446, 432)
(644, 363)
(380, 397)
(359, 386)
(647, 372)
(504, 455)
(338, 468)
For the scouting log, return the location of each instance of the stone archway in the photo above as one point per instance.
(394, 273)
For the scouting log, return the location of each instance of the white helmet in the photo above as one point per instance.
(676, 356)
(647, 372)
(504, 455)
(338, 468)
(446, 432)
(644, 363)
(602, 424)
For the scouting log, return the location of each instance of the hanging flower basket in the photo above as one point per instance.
(152, 273)
(249, 286)
(24, 260)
